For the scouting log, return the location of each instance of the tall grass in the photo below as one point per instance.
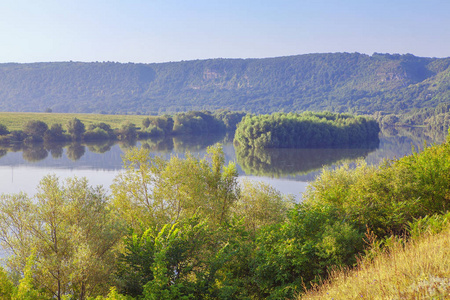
(16, 121)
(419, 269)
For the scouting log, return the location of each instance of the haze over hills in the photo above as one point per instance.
(340, 82)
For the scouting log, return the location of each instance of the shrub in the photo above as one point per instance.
(95, 135)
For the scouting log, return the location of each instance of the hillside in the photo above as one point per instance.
(338, 82)
(418, 269)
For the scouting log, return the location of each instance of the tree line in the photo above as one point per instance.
(435, 119)
(186, 228)
(194, 122)
(38, 131)
(305, 130)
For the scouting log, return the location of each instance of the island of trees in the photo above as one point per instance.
(305, 130)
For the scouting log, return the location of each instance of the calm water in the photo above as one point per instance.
(288, 170)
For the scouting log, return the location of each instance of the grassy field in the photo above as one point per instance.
(419, 270)
(16, 121)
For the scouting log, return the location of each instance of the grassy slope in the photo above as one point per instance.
(16, 121)
(421, 270)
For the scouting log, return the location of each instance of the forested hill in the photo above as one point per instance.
(340, 82)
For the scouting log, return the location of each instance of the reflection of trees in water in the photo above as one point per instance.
(159, 144)
(417, 135)
(127, 144)
(184, 143)
(389, 131)
(287, 162)
(75, 151)
(396, 142)
(16, 147)
(34, 153)
(55, 149)
(101, 146)
(228, 138)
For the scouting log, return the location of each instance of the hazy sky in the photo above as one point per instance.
(168, 30)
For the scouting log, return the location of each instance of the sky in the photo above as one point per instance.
(146, 31)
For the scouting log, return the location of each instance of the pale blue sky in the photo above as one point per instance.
(168, 30)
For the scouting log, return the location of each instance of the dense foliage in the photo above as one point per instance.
(305, 130)
(188, 229)
(340, 82)
(193, 122)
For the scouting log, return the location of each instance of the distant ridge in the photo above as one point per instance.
(340, 82)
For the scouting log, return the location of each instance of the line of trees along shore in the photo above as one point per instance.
(186, 228)
(194, 122)
(305, 130)
(277, 130)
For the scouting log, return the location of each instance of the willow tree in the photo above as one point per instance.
(69, 230)
(76, 129)
(154, 191)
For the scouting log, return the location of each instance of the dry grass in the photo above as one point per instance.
(419, 270)
(15, 121)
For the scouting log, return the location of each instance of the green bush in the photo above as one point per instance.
(386, 198)
(292, 254)
(96, 134)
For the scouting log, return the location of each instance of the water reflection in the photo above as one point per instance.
(394, 142)
(127, 144)
(100, 147)
(417, 135)
(55, 149)
(34, 152)
(162, 144)
(291, 162)
(75, 150)
(20, 164)
(185, 143)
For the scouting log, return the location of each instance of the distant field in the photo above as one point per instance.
(15, 121)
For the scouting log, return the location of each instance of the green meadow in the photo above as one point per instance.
(16, 120)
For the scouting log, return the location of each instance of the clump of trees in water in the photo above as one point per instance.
(305, 130)
(186, 228)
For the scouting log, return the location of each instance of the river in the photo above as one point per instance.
(288, 170)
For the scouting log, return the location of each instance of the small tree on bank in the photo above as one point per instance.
(76, 129)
